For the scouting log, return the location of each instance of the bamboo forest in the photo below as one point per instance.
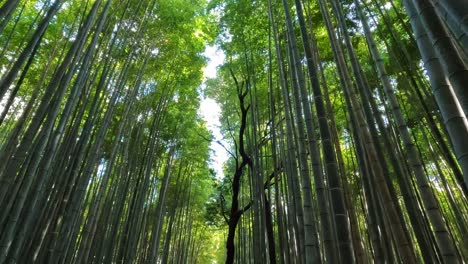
(233, 131)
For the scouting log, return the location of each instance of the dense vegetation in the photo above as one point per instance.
(345, 123)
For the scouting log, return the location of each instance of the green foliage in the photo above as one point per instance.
(149, 54)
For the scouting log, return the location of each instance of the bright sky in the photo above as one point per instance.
(210, 111)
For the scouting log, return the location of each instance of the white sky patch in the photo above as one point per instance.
(216, 57)
(210, 111)
(387, 5)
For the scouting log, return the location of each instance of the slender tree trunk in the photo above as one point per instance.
(447, 99)
(444, 239)
(9, 77)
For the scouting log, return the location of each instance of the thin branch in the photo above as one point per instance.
(219, 143)
(226, 149)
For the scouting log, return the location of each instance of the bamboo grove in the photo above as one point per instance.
(102, 161)
(345, 123)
